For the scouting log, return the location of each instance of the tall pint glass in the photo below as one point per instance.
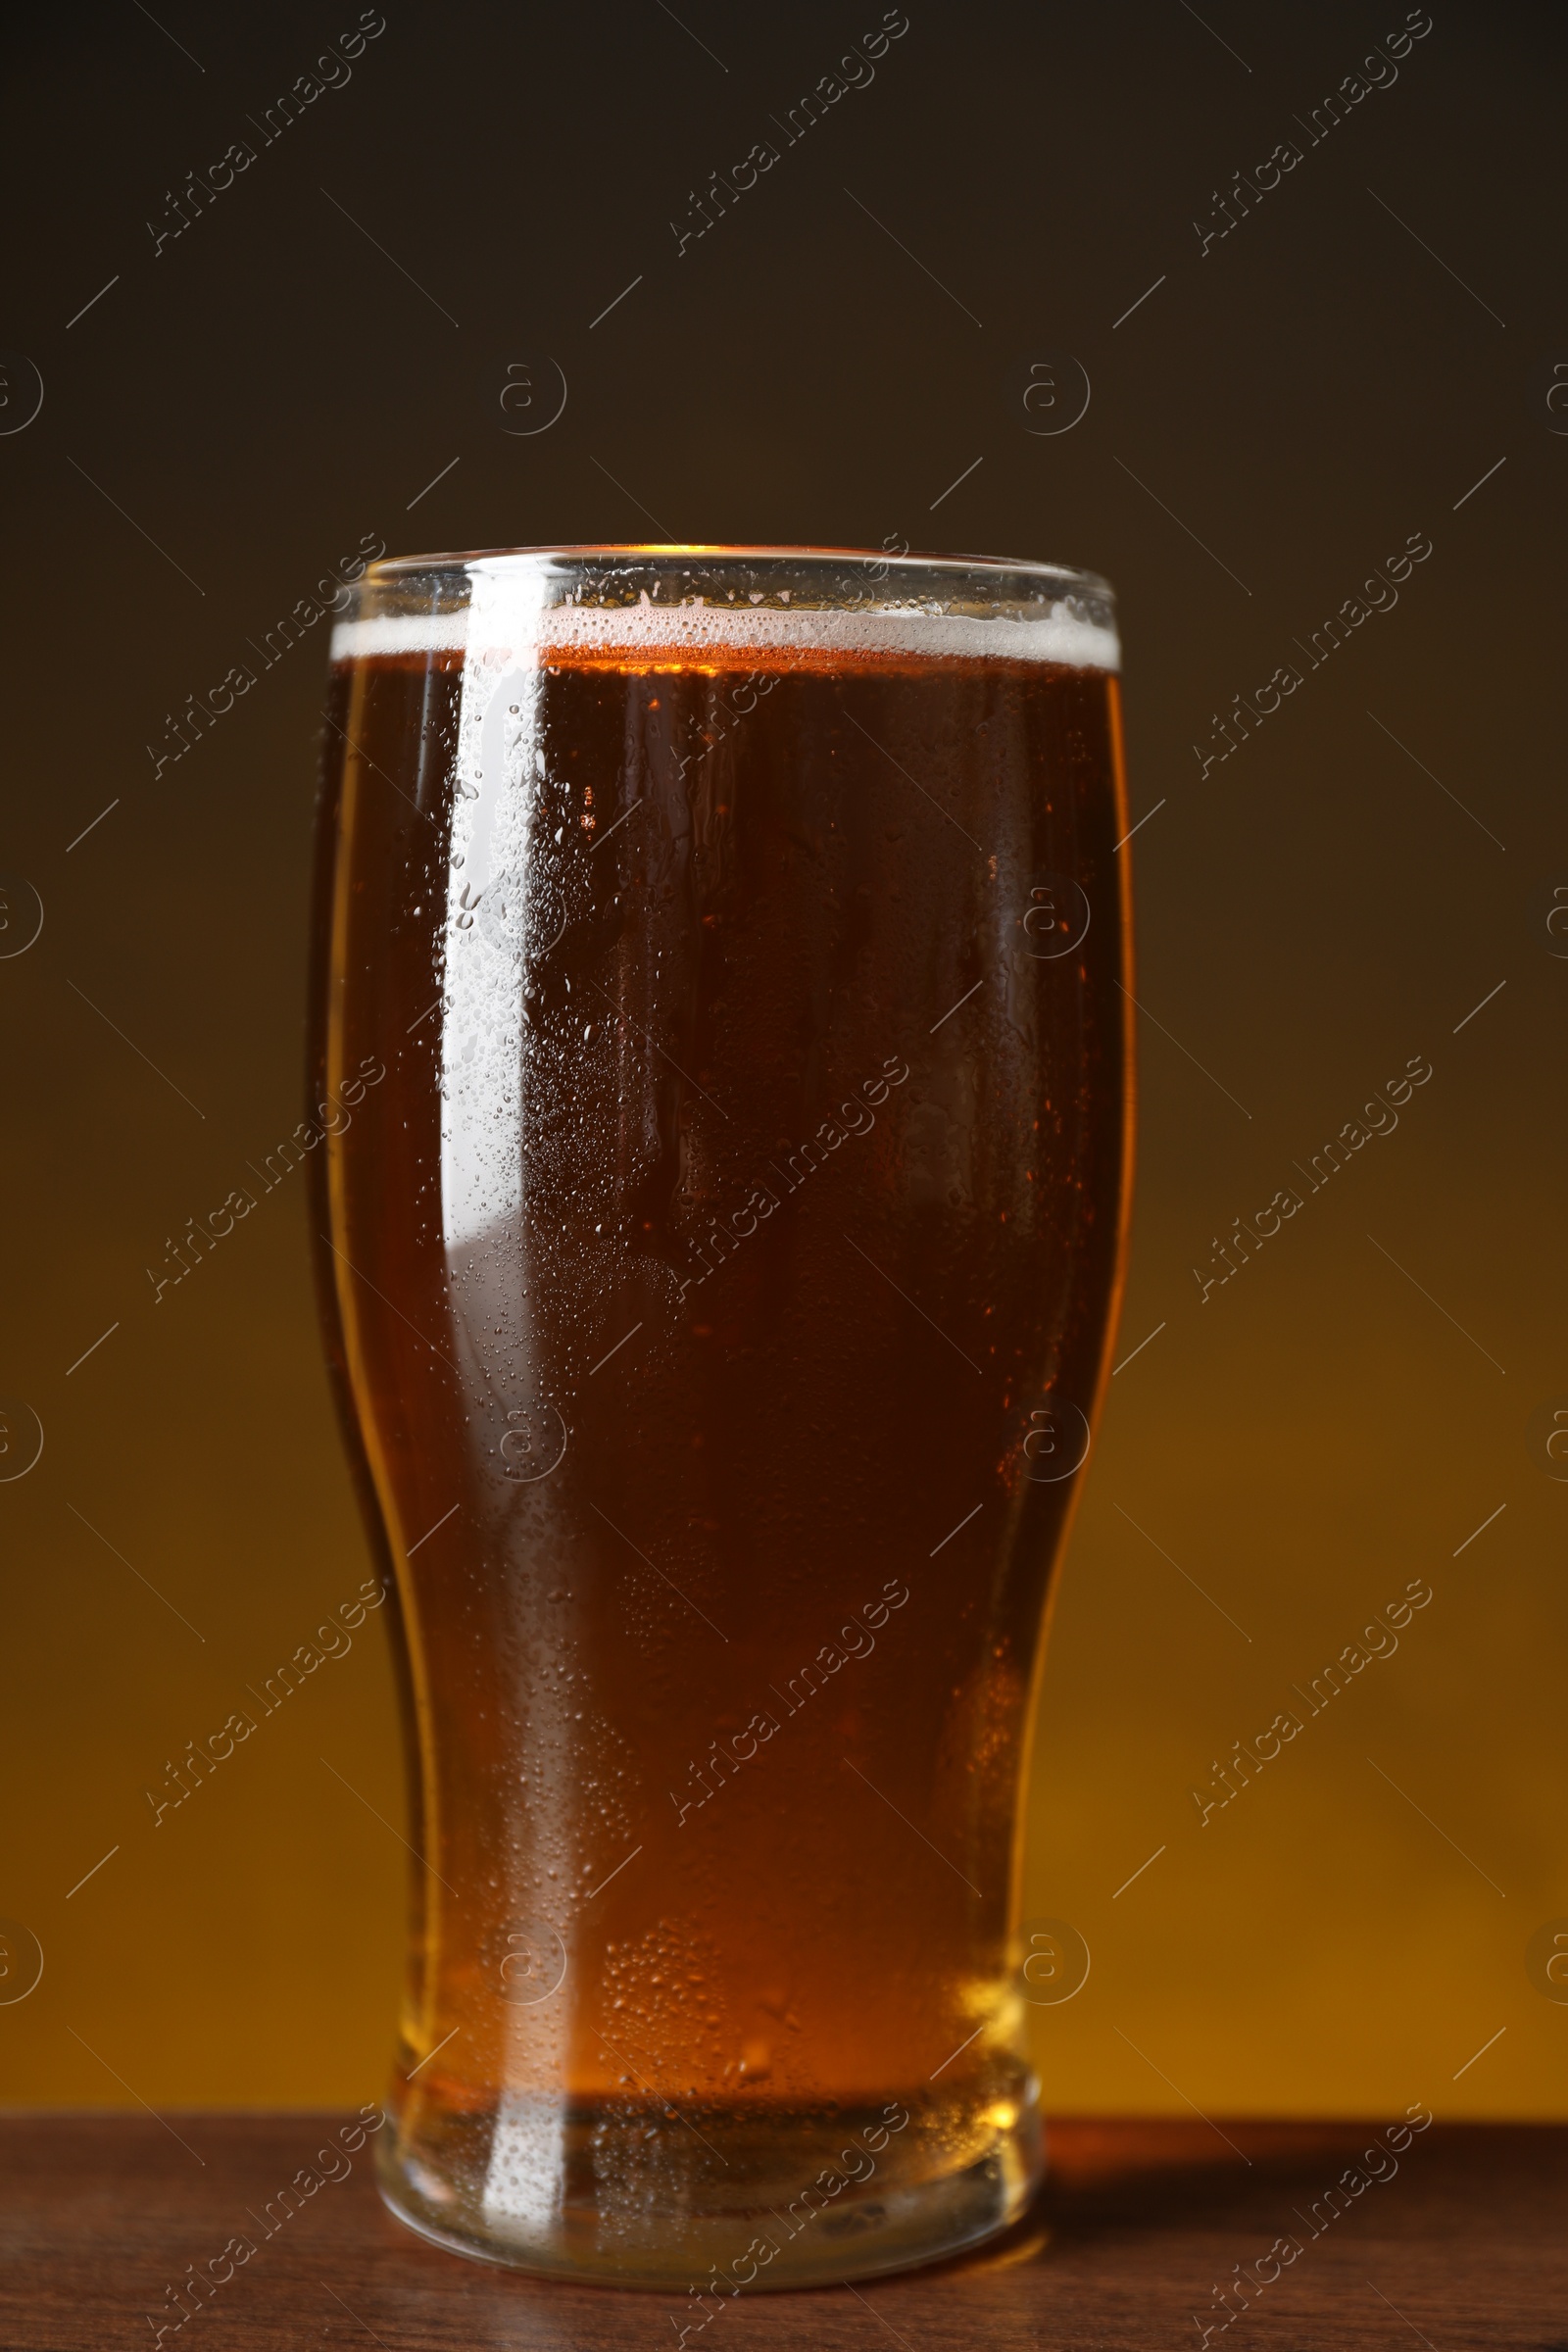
(721, 1041)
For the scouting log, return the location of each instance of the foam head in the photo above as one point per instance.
(648, 635)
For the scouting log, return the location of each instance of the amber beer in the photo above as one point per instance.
(719, 1290)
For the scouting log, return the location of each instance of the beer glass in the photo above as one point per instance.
(721, 1051)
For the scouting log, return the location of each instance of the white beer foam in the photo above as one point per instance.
(647, 631)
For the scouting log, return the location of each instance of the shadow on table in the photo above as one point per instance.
(1123, 2179)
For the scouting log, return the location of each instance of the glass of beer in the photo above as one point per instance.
(722, 1045)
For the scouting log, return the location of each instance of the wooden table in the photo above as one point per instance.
(1466, 2246)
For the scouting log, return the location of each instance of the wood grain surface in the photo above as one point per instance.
(1467, 2244)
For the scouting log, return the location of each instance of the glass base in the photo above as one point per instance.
(713, 2203)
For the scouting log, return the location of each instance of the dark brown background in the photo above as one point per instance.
(227, 420)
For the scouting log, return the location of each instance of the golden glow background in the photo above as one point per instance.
(224, 424)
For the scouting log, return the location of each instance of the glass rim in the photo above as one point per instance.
(1064, 578)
